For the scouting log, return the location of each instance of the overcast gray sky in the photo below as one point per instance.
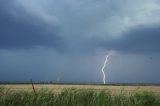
(67, 40)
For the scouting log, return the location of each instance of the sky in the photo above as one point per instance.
(67, 40)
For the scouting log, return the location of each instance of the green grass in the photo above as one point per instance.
(74, 97)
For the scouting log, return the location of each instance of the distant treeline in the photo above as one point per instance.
(66, 83)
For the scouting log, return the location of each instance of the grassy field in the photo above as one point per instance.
(58, 88)
(79, 95)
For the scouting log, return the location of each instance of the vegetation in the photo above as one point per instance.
(76, 97)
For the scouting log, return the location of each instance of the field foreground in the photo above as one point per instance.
(58, 88)
(79, 95)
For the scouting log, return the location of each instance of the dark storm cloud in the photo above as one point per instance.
(141, 40)
(16, 33)
(27, 24)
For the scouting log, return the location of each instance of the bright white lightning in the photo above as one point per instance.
(104, 65)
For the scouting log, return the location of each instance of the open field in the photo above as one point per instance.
(79, 95)
(59, 88)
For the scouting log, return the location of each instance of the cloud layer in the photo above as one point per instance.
(85, 24)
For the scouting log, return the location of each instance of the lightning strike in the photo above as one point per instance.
(104, 65)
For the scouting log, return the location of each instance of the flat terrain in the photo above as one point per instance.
(58, 88)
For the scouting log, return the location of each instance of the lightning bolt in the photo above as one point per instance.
(104, 65)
